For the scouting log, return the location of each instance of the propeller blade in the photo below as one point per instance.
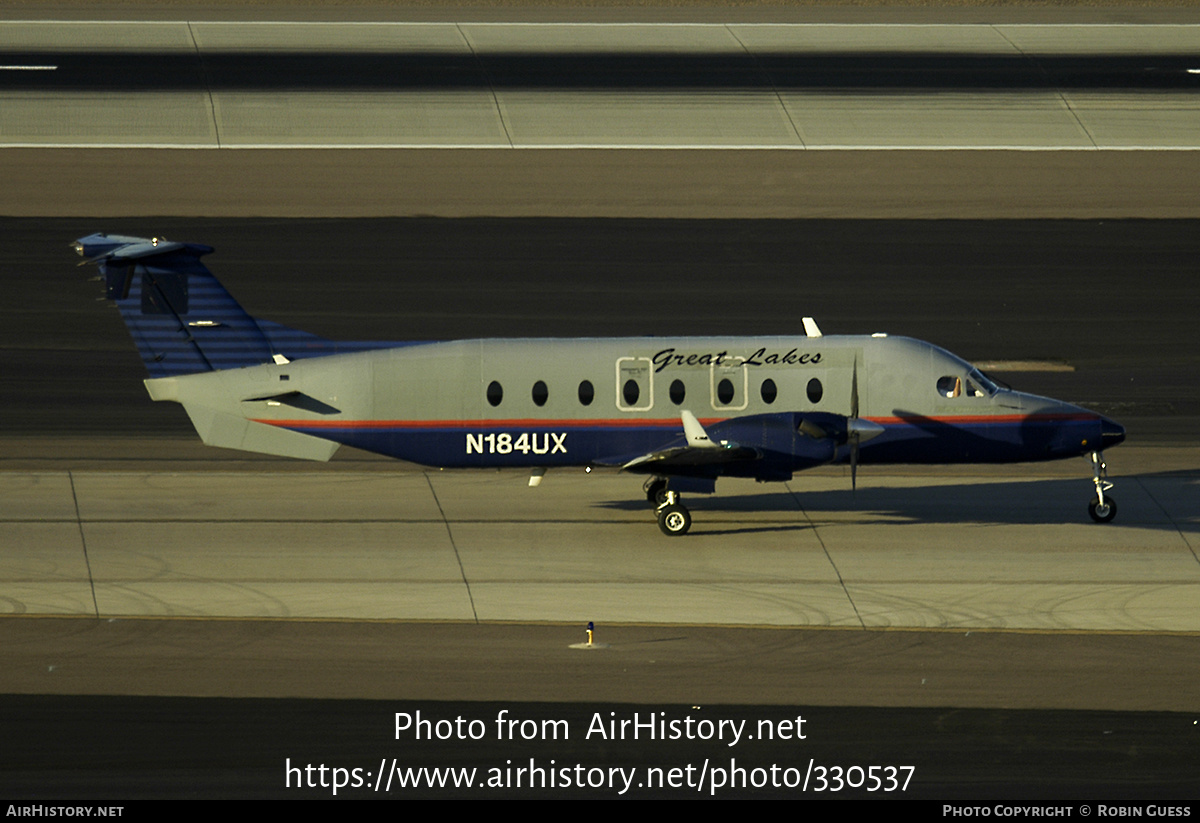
(854, 462)
(854, 390)
(853, 435)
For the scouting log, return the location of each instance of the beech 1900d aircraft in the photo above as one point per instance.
(683, 411)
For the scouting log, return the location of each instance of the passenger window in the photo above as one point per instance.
(635, 383)
(769, 391)
(814, 391)
(586, 393)
(540, 393)
(677, 392)
(495, 393)
(631, 392)
(725, 391)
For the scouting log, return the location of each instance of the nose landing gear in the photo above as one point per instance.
(1104, 507)
(673, 517)
(655, 488)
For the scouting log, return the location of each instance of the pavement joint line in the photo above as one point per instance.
(771, 82)
(457, 557)
(1058, 92)
(1171, 520)
(83, 544)
(845, 590)
(491, 86)
(212, 106)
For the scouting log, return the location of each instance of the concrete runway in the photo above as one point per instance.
(536, 116)
(241, 85)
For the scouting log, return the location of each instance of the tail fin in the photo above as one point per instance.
(181, 318)
(190, 332)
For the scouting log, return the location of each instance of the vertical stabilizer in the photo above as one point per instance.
(180, 316)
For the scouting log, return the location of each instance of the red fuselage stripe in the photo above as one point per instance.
(625, 422)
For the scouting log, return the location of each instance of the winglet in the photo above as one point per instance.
(811, 328)
(696, 436)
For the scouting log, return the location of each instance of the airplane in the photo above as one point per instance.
(682, 411)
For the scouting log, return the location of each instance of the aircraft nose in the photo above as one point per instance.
(1111, 433)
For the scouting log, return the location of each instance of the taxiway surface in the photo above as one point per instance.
(1001, 550)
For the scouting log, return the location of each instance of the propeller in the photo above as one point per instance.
(852, 433)
(857, 431)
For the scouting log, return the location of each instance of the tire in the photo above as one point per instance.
(674, 520)
(656, 492)
(1105, 513)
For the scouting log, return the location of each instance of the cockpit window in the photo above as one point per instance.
(975, 384)
(983, 381)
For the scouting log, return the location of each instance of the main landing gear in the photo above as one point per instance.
(1103, 508)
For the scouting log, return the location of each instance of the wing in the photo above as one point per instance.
(761, 446)
(698, 452)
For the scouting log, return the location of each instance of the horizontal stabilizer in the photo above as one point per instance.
(215, 412)
(230, 431)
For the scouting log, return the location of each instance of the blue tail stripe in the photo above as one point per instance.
(183, 320)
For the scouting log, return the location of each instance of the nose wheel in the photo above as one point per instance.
(1103, 508)
(673, 517)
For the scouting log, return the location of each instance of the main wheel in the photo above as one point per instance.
(656, 491)
(1105, 513)
(674, 520)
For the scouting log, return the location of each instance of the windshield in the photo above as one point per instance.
(982, 381)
